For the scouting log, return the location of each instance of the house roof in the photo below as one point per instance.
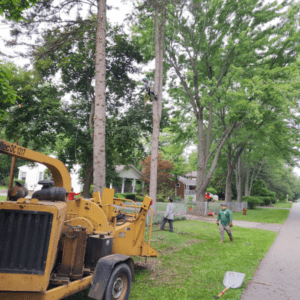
(192, 174)
(121, 168)
(187, 181)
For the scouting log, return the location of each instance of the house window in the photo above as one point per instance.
(23, 176)
(178, 184)
(40, 176)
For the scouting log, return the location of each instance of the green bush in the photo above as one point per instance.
(252, 201)
(119, 195)
(6, 180)
(212, 191)
(266, 200)
(139, 198)
(178, 198)
(130, 196)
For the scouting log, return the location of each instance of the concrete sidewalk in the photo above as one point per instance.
(246, 224)
(278, 275)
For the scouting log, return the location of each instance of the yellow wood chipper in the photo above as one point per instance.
(51, 247)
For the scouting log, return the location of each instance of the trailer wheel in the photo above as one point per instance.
(119, 284)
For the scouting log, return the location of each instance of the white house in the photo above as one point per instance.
(32, 174)
(129, 172)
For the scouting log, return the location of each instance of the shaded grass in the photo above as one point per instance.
(262, 215)
(192, 263)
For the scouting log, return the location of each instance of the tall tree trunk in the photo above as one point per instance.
(157, 105)
(100, 107)
(201, 183)
(247, 190)
(88, 175)
(231, 163)
(240, 178)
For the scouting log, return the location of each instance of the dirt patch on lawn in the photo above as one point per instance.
(152, 264)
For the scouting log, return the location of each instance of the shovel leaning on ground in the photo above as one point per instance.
(232, 280)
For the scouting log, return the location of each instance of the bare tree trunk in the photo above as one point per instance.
(239, 179)
(231, 163)
(157, 105)
(88, 176)
(247, 190)
(228, 189)
(100, 107)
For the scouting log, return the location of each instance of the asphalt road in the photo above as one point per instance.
(278, 275)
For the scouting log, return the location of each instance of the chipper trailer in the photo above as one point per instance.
(51, 247)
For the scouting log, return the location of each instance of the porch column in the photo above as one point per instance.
(123, 185)
(133, 185)
(143, 187)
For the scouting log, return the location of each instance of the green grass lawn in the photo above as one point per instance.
(2, 198)
(263, 215)
(3, 187)
(192, 263)
(283, 205)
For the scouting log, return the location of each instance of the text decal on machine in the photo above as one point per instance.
(12, 148)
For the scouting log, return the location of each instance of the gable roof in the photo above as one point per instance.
(125, 171)
(187, 181)
(192, 174)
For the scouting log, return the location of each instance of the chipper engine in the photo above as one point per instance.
(51, 247)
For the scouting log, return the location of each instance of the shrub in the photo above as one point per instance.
(119, 195)
(139, 198)
(178, 199)
(252, 201)
(212, 191)
(130, 196)
(266, 200)
(6, 181)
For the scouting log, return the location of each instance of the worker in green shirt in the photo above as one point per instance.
(225, 216)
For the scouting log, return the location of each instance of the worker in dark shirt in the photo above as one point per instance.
(225, 216)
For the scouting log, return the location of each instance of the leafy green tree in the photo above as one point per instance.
(127, 121)
(12, 9)
(214, 50)
(7, 94)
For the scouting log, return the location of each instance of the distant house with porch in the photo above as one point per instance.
(129, 176)
(185, 187)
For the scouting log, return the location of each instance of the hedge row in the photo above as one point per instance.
(6, 180)
(258, 201)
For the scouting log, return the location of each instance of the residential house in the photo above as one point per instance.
(129, 176)
(33, 173)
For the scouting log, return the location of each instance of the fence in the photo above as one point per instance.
(203, 208)
(194, 208)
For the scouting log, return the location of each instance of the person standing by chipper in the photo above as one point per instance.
(225, 216)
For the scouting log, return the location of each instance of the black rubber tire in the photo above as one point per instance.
(120, 273)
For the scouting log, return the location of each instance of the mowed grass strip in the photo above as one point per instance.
(262, 215)
(192, 263)
(2, 198)
(283, 205)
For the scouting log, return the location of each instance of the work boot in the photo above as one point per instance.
(231, 240)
